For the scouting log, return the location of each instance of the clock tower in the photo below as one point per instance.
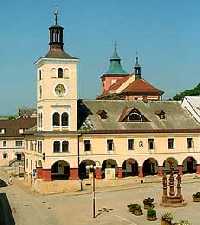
(57, 85)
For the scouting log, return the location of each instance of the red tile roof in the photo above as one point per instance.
(141, 86)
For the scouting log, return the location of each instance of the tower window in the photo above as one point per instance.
(56, 119)
(65, 146)
(40, 92)
(65, 119)
(56, 146)
(60, 73)
(40, 75)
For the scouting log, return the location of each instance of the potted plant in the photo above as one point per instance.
(148, 203)
(196, 197)
(151, 214)
(166, 219)
(135, 209)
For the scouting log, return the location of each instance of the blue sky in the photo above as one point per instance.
(166, 35)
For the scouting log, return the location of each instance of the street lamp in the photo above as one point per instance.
(92, 168)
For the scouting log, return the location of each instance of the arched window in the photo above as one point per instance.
(56, 119)
(56, 146)
(41, 122)
(65, 146)
(40, 75)
(65, 119)
(60, 73)
(40, 92)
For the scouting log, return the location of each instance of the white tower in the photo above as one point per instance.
(57, 86)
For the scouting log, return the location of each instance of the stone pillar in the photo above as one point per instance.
(160, 171)
(140, 172)
(180, 169)
(119, 172)
(73, 174)
(46, 174)
(39, 172)
(171, 184)
(198, 168)
(98, 173)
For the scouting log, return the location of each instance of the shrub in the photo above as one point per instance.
(196, 195)
(167, 217)
(135, 209)
(151, 213)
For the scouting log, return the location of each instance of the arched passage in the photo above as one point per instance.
(150, 167)
(109, 163)
(130, 168)
(170, 162)
(189, 165)
(60, 170)
(83, 171)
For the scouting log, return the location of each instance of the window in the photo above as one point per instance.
(21, 130)
(189, 143)
(151, 143)
(40, 75)
(5, 155)
(56, 146)
(56, 119)
(136, 117)
(18, 143)
(102, 113)
(39, 146)
(170, 143)
(130, 144)
(65, 146)
(87, 145)
(60, 73)
(110, 145)
(2, 131)
(4, 143)
(40, 92)
(65, 119)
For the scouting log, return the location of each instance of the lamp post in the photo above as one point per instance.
(92, 169)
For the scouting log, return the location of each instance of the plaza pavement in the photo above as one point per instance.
(76, 208)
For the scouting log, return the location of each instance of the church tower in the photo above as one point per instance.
(57, 85)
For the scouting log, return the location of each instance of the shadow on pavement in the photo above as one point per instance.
(3, 183)
(6, 217)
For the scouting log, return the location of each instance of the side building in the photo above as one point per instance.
(129, 137)
(12, 142)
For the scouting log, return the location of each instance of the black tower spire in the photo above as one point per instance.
(137, 69)
(56, 34)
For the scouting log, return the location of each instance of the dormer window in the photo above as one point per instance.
(2, 131)
(132, 115)
(135, 117)
(161, 114)
(21, 130)
(60, 73)
(102, 114)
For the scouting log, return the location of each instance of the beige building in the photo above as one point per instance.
(12, 142)
(124, 137)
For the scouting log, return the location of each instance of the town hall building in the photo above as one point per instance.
(134, 133)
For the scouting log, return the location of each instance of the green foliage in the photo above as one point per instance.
(11, 118)
(196, 195)
(148, 203)
(191, 92)
(167, 217)
(135, 209)
(151, 213)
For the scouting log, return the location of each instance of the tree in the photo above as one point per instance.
(191, 92)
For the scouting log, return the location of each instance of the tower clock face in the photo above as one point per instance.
(60, 90)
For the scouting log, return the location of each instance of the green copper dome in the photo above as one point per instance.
(115, 66)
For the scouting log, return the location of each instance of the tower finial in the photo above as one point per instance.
(115, 46)
(136, 58)
(56, 16)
